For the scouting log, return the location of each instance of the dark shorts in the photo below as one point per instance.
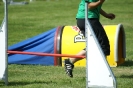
(99, 32)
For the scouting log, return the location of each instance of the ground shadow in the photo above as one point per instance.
(22, 83)
(126, 76)
(127, 63)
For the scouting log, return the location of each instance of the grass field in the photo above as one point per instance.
(26, 21)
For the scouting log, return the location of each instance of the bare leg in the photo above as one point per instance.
(69, 63)
(81, 53)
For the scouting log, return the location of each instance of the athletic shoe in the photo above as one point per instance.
(68, 67)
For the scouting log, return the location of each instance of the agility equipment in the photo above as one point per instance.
(72, 41)
(98, 71)
(105, 77)
(3, 47)
(67, 40)
(12, 2)
(44, 54)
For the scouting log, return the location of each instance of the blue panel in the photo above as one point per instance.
(40, 43)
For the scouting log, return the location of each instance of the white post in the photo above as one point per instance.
(3, 47)
(98, 71)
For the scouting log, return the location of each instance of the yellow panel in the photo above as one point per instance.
(111, 32)
(68, 46)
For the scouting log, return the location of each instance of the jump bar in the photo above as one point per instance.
(44, 54)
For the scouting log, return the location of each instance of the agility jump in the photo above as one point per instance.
(91, 80)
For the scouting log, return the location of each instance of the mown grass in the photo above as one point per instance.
(26, 21)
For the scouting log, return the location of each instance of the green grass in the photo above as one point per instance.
(26, 21)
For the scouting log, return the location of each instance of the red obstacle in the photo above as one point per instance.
(44, 54)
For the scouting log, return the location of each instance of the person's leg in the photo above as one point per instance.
(81, 26)
(81, 53)
(69, 63)
(101, 35)
(102, 39)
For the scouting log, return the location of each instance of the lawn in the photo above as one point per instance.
(25, 21)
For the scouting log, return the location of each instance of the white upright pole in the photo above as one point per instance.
(86, 36)
(98, 71)
(6, 41)
(3, 46)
